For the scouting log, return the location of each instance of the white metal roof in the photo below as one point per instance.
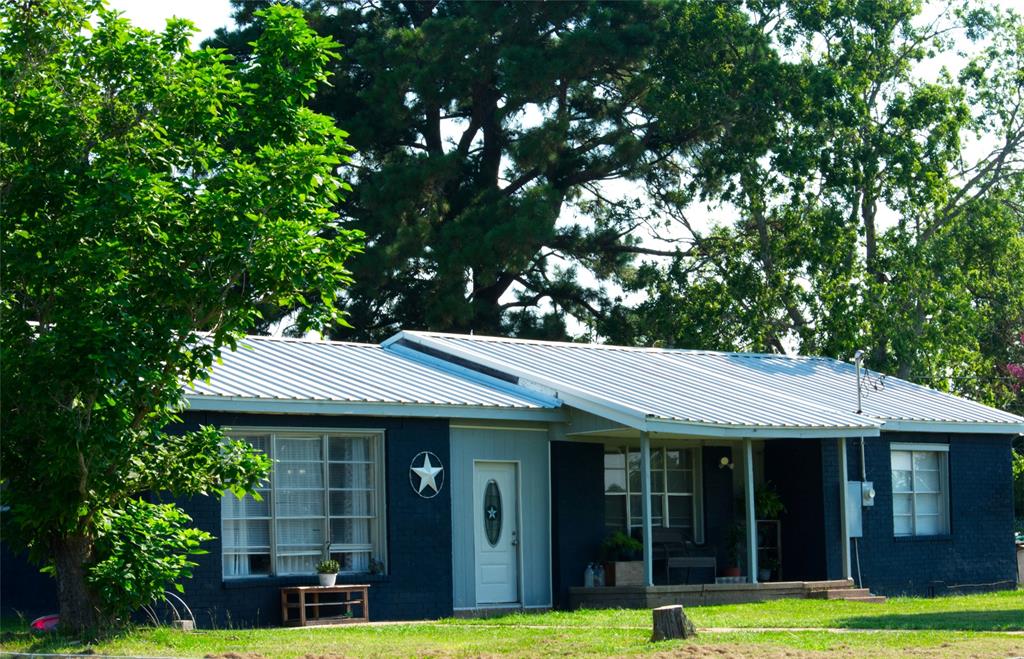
(898, 403)
(301, 376)
(771, 395)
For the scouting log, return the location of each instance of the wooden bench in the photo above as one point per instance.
(687, 562)
(675, 548)
(310, 607)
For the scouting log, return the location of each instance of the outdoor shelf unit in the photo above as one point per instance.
(306, 599)
(769, 545)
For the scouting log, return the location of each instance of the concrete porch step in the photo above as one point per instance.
(840, 593)
(848, 594)
(834, 584)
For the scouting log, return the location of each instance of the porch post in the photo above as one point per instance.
(748, 481)
(645, 506)
(843, 522)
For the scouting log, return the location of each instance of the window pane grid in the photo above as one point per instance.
(674, 478)
(920, 502)
(326, 499)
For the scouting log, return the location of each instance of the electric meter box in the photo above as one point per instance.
(867, 493)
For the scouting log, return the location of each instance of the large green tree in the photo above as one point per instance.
(887, 214)
(154, 199)
(485, 132)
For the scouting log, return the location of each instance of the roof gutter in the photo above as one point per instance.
(358, 408)
(730, 431)
(950, 427)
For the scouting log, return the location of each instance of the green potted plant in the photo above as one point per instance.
(767, 502)
(327, 570)
(733, 542)
(622, 557)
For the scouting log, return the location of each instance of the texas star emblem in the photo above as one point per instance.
(426, 474)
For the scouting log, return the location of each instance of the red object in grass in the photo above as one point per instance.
(45, 623)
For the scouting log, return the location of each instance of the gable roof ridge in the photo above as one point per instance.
(606, 346)
(307, 341)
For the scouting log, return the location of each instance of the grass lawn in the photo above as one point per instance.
(974, 625)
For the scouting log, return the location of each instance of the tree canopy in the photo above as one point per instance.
(155, 199)
(482, 127)
(887, 213)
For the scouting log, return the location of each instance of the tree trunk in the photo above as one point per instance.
(79, 606)
(670, 622)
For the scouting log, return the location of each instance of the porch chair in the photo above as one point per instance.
(678, 551)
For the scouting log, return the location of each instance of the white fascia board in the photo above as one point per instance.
(755, 432)
(344, 408)
(630, 418)
(965, 427)
(475, 376)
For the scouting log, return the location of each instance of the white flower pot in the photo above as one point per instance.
(327, 579)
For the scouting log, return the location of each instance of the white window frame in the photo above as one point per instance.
(942, 453)
(378, 550)
(696, 497)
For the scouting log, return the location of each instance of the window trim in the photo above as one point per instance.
(379, 448)
(945, 505)
(920, 447)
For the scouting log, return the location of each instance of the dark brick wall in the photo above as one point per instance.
(719, 505)
(577, 513)
(419, 582)
(794, 469)
(977, 554)
(830, 507)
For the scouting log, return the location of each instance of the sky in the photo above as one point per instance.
(208, 15)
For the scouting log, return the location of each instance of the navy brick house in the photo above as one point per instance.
(457, 473)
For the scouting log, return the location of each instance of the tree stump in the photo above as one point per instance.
(670, 622)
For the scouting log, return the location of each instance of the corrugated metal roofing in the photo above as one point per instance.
(715, 388)
(832, 383)
(295, 369)
(647, 382)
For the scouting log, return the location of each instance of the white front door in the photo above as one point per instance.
(496, 510)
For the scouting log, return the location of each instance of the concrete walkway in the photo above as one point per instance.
(706, 630)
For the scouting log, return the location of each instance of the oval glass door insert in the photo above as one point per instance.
(492, 512)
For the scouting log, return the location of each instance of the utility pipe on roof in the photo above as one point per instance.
(858, 360)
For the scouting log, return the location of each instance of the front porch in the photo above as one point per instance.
(693, 506)
(646, 597)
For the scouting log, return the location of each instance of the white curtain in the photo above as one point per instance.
(352, 499)
(299, 505)
(245, 526)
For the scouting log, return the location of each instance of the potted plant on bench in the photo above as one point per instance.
(327, 570)
(623, 560)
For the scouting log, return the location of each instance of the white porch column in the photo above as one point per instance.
(645, 506)
(748, 490)
(843, 522)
